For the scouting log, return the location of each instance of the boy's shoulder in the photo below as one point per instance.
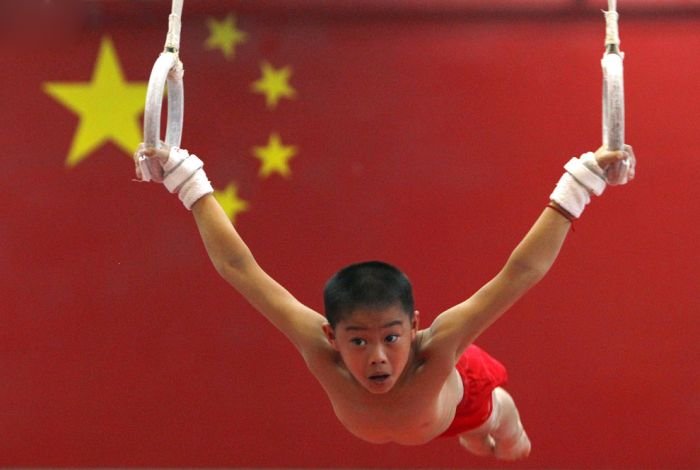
(430, 358)
(428, 346)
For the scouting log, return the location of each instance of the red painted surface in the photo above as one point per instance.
(429, 143)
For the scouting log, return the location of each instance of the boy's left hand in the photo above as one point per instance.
(605, 157)
(619, 160)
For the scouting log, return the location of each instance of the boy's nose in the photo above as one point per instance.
(378, 356)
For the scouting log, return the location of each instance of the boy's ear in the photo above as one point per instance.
(330, 334)
(414, 324)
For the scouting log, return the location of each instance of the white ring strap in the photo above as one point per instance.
(172, 40)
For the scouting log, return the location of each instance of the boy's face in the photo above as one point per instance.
(375, 345)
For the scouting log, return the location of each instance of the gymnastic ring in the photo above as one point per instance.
(614, 115)
(614, 99)
(613, 102)
(167, 68)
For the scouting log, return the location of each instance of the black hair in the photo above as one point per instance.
(370, 284)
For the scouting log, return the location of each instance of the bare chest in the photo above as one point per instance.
(413, 413)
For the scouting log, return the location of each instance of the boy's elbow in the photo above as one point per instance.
(526, 273)
(223, 268)
(231, 268)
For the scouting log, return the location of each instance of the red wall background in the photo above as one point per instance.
(429, 137)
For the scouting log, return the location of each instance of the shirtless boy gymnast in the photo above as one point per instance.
(388, 380)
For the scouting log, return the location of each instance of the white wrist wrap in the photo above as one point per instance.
(175, 158)
(585, 171)
(583, 177)
(184, 175)
(175, 178)
(195, 188)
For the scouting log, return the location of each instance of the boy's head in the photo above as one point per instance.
(370, 285)
(371, 322)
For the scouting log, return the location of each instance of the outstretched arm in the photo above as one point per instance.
(234, 261)
(232, 258)
(456, 328)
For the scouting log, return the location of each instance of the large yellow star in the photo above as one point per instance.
(224, 35)
(275, 156)
(274, 84)
(230, 202)
(109, 108)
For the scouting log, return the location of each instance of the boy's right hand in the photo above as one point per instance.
(149, 162)
(178, 170)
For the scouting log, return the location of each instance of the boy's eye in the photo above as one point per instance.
(358, 341)
(391, 338)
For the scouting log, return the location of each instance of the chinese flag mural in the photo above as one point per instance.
(429, 137)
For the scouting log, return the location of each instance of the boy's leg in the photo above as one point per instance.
(479, 441)
(502, 434)
(511, 439)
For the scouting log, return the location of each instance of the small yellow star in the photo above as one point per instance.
(275, 156)
(274, 84)
(225, 35)
(109, 108)
(230, 202)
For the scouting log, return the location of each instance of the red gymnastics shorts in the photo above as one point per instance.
(480, 374)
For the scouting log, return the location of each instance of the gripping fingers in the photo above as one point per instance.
(631, 162)
(622, 171)
(605, 158)
(619, 165)
(137, 156)
(149, 163)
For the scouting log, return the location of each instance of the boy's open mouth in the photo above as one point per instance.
(378, 377)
